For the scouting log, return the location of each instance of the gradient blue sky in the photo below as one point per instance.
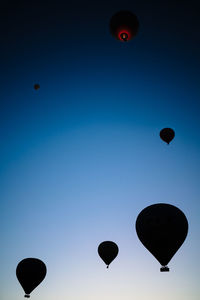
(81, 157)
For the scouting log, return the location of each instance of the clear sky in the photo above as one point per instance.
(81, 157)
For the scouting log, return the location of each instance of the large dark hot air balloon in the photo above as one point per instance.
(108, 251)
(124, 25)
(167, 135)
(30, 273)
(162, 229)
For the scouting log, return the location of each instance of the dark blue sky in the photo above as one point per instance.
(81, 157)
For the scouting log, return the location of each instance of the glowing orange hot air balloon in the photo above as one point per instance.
(124, 25)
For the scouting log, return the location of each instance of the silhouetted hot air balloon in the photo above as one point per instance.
(124, 25)
(167, 135)
(162, 229)
(108, 251)
(30, 273)
(36, 86)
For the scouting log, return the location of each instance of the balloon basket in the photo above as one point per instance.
(164, 269)
(27, 296)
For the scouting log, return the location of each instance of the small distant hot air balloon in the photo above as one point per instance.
(167, 135)
(36, 86)
(124, 25)
(30, 272)
(108, 251)
(162, 229)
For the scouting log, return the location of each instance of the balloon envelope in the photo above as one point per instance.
(162, 229)
(36, 86)
(167, 135)
(30, 273)
(124, 25)
(108, 251)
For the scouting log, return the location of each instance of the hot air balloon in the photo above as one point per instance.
(36, 86)
(124, 25)
(30, 273)
(108, 251)
(162, 229)
(167, 135)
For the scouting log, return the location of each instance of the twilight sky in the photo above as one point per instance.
(81, 157)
